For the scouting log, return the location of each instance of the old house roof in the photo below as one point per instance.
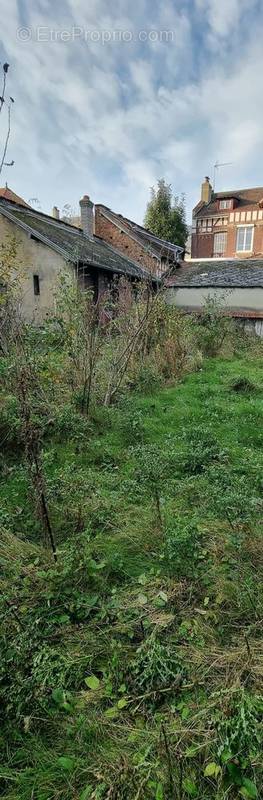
(8, 194)
(72, 243)
(247, 273)
(151, 243)
(247, 200)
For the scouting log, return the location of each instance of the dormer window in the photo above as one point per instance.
(224, 204)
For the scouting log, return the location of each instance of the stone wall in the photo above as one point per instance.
(33, 258)
(121, 241)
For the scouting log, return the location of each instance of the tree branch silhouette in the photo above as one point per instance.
(2, 101)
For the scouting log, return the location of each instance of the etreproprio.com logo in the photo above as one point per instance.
(46, 34)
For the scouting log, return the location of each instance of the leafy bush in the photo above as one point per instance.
(65, 421)
(214, 327)
(202, 449)
(147, 378)
(35, 661)
(233, 496)
(10, 424)
(131, 426)
(182, 546)
(156, 666)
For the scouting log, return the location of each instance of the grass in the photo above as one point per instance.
(133, 670)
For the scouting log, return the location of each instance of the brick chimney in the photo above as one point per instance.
(206, 190)
(86, 215)
(55, 212)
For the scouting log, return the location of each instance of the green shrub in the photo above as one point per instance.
(182, 547)
(156, 666)
(147, 379)
(131, 426)
(201, 449)
(213, 327)
(10, 424)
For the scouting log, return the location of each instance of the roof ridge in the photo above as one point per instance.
(34, 211)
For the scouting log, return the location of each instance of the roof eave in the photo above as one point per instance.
(215, 286)
(33, 232)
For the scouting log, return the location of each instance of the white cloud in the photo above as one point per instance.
(223, 15)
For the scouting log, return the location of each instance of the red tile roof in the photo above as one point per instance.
(248, 200)
(8, 194)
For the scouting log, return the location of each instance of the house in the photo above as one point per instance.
(228, 224)
(8, 194)
(46, 246)
(135, 242)
(237, 284)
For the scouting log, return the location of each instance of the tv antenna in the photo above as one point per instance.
(217, 166)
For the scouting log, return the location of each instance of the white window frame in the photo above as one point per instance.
(215, 251)
(244, 250)
(225, 204)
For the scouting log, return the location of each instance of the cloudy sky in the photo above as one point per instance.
(113, 94)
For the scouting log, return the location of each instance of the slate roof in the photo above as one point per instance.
(153, 244)
(71, 242)
(247, 200)
(247, 273)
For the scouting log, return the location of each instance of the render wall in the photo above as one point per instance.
(33, 258)
(233, 299)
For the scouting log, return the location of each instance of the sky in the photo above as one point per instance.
(111, 95)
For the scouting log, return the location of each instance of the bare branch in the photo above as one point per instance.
(7, 138)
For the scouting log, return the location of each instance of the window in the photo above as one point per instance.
(225, 204)
(244, 238)
(220, 240)
(36, 284)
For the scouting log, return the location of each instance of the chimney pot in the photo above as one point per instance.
(55, 212)
(86, 215)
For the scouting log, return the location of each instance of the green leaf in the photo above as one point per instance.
(109, 689)
(235, 773)
(191, 752)
(163, 596)
(185, 712)
(248, 789)
(142, 599)
(86, 794)
(211, 770)
(122, 689)
(122, 703)
(142, 579)
(92, 682)
(58, 695)
(111, 713)
(159, 792)
(66, 763)
(190, 787)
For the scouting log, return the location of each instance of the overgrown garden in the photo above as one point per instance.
(131, 558)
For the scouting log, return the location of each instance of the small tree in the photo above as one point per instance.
(81, 319)
(165, 215)
(151, 473)
(15, 344)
